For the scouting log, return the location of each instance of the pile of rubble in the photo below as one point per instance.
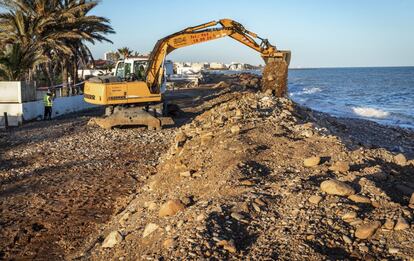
(254, 176)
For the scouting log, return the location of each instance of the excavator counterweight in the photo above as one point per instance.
(132, 98)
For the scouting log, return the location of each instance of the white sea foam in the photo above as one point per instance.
(370, 112)
(311, 90)
(306, 90)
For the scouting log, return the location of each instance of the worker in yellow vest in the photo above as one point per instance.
(48, 102)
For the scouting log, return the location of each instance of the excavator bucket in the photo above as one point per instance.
(275, 74)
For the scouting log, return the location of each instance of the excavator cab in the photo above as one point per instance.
(131, 69)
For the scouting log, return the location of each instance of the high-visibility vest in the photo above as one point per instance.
(47, 101)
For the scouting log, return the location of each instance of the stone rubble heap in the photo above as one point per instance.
(256, 177)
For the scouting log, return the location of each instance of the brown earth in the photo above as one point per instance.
(235, 160)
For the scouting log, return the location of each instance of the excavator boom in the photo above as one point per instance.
(203, 33)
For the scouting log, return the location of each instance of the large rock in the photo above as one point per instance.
(359, 199)
(367, 230)
(311, 162)
(112, 239)
(340, 166)
(411, 204)
(400, 159)
(402, 224)
(349, 216)
(315, 199)
(336, 187)
(149, 229)
(171, 207)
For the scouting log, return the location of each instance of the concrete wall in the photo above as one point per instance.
(14, 114)
(16, 92)
(19, 112)
(10, 92)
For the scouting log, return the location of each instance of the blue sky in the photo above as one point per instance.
(330, 33)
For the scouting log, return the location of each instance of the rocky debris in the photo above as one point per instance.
(311, 162)
(367, 230)
(170, 208)
(248, 195)
(336, 187)
(112, 239)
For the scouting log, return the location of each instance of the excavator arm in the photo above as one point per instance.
(203, 33)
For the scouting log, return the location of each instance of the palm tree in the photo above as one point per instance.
(16, 61)
(124, 52)
(56, 28)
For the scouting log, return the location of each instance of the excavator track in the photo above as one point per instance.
(150, 116)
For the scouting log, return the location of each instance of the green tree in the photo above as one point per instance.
(16, 61)
(125, 52)
(58, 29)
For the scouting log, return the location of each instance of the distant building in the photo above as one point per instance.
(189, 68)
(111, 56)
(236, 66)
(218, 66)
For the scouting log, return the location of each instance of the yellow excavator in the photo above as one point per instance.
(133, 99)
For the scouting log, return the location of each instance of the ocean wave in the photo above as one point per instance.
(307, 90)
(370, 112)
(311, 90)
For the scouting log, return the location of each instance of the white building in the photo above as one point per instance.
(218, 66)
(111, 56)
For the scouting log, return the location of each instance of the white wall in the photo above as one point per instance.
(19, 112)
(14, 113)
(10, 92)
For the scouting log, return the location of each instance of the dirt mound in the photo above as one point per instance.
(239, 171)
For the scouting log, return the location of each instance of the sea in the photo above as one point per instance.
(381, 94)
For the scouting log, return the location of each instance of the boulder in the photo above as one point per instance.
(227, 245)
(400, 159)
(112, 239)
(411, 204)
(340, 166)
(367, 230)
(315, 199)
(359, 199)
(336, 187)
(349, 216)
(311, 162)
(168, 243)
(170, 208)
(389, 224)
(149, 229)
(402, 224)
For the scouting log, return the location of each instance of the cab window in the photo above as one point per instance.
(120, 70)
(123, 69)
